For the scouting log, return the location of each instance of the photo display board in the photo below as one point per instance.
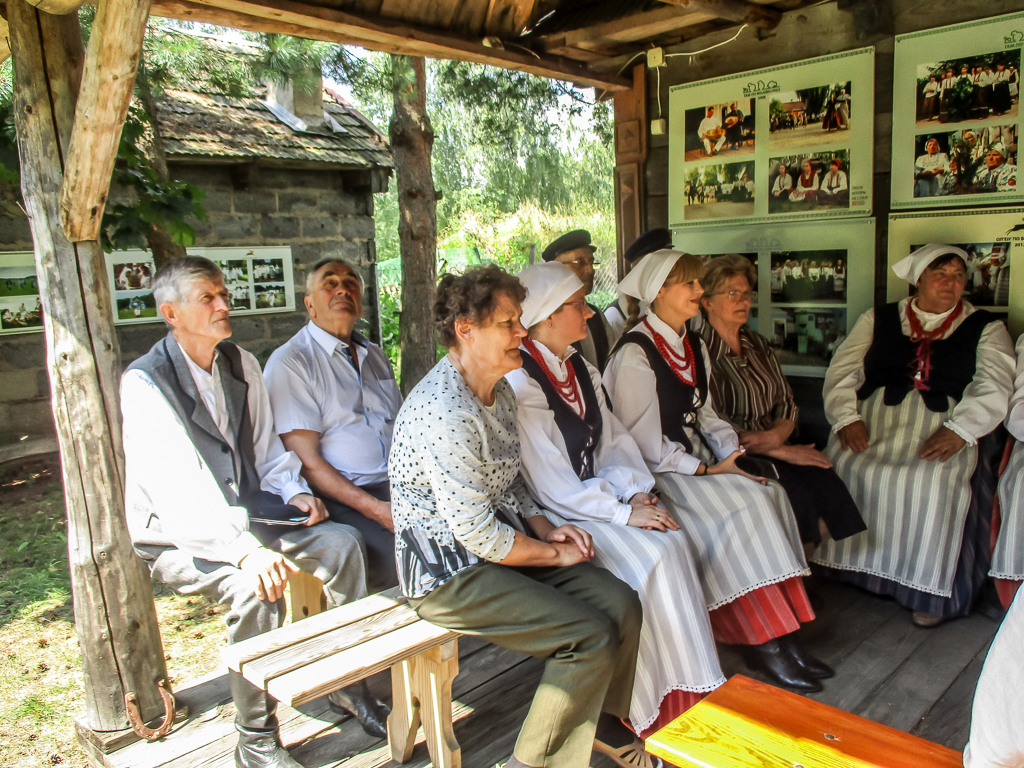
(20, 308)
(956, 114)
(992, 237)
(258, 279)
(814, 279)
(784, 143)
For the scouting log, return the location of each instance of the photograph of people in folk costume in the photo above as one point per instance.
(720, 191)
(811, 182)
(969, 88)
(807, 336)
(133, 277)
(988, 273)
(236, 280)
(810, 117)
(818, 275)
(720, 129)
(972, 161)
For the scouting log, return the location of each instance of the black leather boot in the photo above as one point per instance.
(774, 658)
(814, 667)
(256, 723)
(370, 712)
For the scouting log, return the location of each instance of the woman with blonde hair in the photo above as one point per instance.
(741, 529)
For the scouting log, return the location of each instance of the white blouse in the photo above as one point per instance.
(985, 399)
(619, 469)
(1015, 418)
(631, 385)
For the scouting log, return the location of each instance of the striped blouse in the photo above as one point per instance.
(750, 390)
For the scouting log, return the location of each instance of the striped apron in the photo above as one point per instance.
(914, 509)
(1008, 555)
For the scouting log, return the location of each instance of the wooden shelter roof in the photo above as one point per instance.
(588, 42)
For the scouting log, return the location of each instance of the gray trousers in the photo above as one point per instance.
(333, 553)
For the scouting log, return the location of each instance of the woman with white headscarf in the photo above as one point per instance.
(581, 465)
(910, 394)
(743, 534)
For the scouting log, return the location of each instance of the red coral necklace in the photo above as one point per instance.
(682, 366)
(568, 390)
(921, 365)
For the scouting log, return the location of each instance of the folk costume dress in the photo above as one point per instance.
(744, 535)
(905, 373)
(750, 392)
(582, 466)
(1008, 556)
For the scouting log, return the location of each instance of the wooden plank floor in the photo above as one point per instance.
(919, 681)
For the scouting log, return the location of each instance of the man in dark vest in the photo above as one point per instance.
(576, 251)
(215, 504)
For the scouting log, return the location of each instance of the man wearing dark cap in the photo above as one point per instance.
(648, 242)
(576, 251)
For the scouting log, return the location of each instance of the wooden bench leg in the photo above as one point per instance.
(422, 690)
(306, 595)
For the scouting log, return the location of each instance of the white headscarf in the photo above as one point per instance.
(548, 286)
(912, 267)
(646, 278)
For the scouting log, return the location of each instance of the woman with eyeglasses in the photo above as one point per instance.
(583, 467)
(741, 528)
(750, 392)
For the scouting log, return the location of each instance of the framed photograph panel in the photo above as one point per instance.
(994, 241)
(814, 279)
(20, 308)
(784, 143)
(956, 114)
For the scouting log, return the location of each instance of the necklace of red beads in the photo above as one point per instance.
(682, 366)
(921, 365)
(568, 390)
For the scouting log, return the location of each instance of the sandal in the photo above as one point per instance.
(630, 756)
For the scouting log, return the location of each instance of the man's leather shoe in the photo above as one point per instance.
(926, 620)
(774, 658)
(816, 668)
(370, 712)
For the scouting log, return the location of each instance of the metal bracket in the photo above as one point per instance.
(131, 704)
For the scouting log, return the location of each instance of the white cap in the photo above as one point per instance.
(548, 286)
(912, 267)
(646, 278)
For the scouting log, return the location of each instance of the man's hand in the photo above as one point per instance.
(565, 534)
(943, 444)
(649, 513)
(804, 455)
(311, 505)
(382, 515)
(271, 570)
(854, 437)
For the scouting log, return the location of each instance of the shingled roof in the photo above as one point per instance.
(207, 125)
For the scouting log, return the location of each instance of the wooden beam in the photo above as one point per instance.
(110, 67)
(292, 18)
(733, 10)
(57, 7)
(113, 597)
(638, 26)
(5, 41)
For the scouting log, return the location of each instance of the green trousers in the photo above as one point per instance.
(582, 619)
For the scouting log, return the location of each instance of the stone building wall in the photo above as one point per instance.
(313, 211)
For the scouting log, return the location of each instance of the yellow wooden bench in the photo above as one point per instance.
(748, 724)
(331, 649)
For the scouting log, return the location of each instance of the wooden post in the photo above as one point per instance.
(412, 139)
(115, 46)
(113, 597)
(630, 162)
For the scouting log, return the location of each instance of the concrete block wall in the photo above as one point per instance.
(309, 210)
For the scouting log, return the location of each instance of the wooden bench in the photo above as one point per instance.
(326, 651)
(748, 724)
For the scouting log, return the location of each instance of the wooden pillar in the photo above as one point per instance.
(113, 597)
(412, 140)
(630, 162)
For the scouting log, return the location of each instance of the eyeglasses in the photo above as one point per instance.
(580, 305)
(584, 262)
(733, 295)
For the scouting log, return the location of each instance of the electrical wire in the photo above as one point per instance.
(710, 47)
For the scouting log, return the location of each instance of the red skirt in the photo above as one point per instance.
(764, 614)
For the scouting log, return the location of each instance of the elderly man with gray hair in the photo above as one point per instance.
(215, 504)
(335, 401)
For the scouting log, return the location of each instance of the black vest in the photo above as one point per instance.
(581, 435)
(889, 362)
(678, 401)
(598, 334)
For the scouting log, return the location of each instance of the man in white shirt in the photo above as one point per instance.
(215, 504)
(335, 402)
(710, 130)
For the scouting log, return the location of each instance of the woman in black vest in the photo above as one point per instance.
(741, 528)
(583, 467)
(910, 394)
